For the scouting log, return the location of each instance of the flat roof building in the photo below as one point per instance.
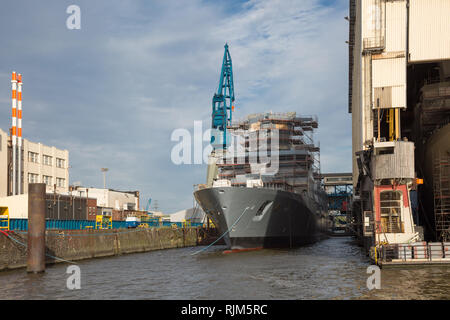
(109, 198)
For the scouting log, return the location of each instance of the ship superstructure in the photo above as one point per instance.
(275, 148)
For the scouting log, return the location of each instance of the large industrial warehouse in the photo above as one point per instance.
(399, 100)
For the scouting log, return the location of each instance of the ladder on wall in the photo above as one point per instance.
(441, 186)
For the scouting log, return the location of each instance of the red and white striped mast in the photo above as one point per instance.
(19, 132)
(13, 134)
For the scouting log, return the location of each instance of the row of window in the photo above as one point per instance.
(48, 180)
(92, 211)
(47, 160)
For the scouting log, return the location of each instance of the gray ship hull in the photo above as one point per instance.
(259, 217)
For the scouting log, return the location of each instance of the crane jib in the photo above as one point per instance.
(222, 104)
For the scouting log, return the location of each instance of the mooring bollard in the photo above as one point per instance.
(36, 228)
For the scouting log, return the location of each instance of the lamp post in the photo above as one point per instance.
(104, 170)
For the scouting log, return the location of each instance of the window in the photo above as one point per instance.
(60, 182)
(47, 160)
(390, 206)
(47, 180)
(33, 157)
(33, 178)
(60, 163)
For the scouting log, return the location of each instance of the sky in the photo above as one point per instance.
(114, 91)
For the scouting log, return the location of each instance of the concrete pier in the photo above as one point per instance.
(76, 245)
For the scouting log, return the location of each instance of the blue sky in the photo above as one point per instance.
(114, 91)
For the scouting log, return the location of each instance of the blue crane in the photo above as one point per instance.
(148, 205)
(222, 104)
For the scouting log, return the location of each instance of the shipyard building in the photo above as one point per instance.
(118, 204)
(79, 203)
(399, 100)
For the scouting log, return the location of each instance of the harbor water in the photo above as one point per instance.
(335, 268)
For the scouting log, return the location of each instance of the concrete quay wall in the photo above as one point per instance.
(73, 245)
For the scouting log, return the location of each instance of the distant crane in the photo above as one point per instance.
(222, 104)
(148, 205)
(155, 206)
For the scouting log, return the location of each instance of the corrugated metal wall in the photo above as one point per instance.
(399, 164)
(390, 73)
(389, 67)
(22, 224)
(65, 208)
(429, 30)
(374, 23)
(395, 26)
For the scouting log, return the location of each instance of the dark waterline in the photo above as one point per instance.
(331, 269)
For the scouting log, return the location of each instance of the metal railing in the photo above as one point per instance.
(413, 251)
(373, 43)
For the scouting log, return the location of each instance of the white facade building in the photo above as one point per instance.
(40, 164)
(108, 198)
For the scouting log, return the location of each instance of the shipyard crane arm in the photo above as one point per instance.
(222, 104)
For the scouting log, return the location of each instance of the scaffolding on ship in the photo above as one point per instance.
(297, 155)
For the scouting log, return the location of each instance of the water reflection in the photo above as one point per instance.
(331, 269)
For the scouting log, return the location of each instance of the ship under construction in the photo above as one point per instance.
(273, 203)
(263, 182)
